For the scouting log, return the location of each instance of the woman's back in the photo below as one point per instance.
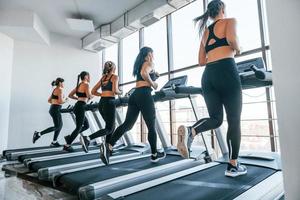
(216, 38)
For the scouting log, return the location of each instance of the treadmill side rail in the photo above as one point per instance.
(269, 189)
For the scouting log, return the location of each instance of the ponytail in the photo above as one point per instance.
(108, 67)
(81, 77)
(201, 21)
(57, 81)
(213, 10)
(77, 85)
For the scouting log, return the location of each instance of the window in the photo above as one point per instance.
(156, 38)
(185, 35)
(246, 13)
(130, 51)
(111, 54)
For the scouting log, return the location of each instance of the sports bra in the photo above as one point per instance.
(108, 85)
(219, 42)
(53, 96)
(80, 94)
(152, 76)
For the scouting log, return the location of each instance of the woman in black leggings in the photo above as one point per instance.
(220, 83)
(139, 101)
(56, 100)
(109, 84)
(82, 94)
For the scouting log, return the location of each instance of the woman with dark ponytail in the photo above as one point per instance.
(109, 84)
(220, 83)
(139, 101)
(82, 94)
(56, 100)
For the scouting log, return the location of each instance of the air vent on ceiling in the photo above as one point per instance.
(84, 25)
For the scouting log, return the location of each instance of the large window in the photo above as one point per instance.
(130, 51)
(111, 54)
(156, 38)
(185, 35)
(246, 13)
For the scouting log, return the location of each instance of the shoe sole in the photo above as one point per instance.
(83, 145)
(182, 142)
(103, 154)
(33, 140)
(158, 159)
(229, 174)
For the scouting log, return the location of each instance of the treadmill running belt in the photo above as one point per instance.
(52, 153)
(73, 181)
(31, 148)
(209, 184)
(61, 161)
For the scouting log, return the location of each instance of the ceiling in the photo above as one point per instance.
(53, 13)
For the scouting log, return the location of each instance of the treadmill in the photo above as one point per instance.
(72, 180)
(263, 181)
(13, 154)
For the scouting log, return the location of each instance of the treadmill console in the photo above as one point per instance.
(175, 82)
(253, 73)
(245, 66)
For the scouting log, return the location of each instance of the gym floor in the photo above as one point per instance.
(17, 188)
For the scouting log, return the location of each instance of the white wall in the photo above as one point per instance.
(284, 28)
(6, 61)
(35, 66)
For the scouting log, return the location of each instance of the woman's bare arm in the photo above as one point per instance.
(72, 94)
(231, 35)
(202, 57)
(96, 88)
(145, 73)
(115, 83)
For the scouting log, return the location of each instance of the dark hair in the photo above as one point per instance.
(213, 9)
(57, 81)
(108, 66)
(140, 59)
(81, 77)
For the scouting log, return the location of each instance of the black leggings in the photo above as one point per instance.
(54, 111)
(107, 110)
(139, 100)
(222, 87)
(82, 123)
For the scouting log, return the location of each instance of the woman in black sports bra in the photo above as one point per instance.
(220, 83)
(56, 100)
(109, 84)
(142, 101)
(82, 94)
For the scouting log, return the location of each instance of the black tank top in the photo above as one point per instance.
(219, 42)
(106, 85)
(80, 94)
(152, 76)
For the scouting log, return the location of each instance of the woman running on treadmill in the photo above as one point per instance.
(109, 84)
(82, 94)
(220, 83)
(56, 100)
(139, 101)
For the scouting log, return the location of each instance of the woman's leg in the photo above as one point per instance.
(58, 123)
(107, 110)
(79, 112)
(131, 117)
